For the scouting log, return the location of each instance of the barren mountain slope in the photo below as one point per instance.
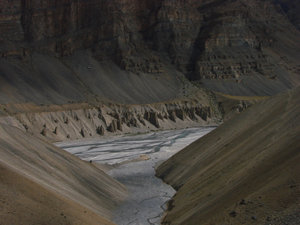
(137, 48)
(45, 79)
(42, 184)
(245, 171)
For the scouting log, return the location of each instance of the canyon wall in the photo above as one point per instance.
(143, 52)
(238, 47)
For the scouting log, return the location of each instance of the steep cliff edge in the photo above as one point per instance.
(75, 121)
(245, 171)
(236, 47)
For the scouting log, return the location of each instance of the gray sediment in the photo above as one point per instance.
(134, 159)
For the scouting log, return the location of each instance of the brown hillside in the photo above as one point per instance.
(42, 184)
(244, 172)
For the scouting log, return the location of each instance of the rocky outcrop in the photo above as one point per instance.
(152, 118)
(89, 121)
(113, 126)
(100, 130)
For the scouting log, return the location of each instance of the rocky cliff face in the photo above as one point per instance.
(110, 27)
(207, 40)
(83, 121)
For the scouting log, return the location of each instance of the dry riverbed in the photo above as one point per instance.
(133, 160)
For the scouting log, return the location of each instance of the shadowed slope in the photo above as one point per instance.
(42, 184)
(138, 48)
(246, 170)
(80, 78)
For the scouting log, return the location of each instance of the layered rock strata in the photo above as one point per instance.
(86, 121)
(251, 44)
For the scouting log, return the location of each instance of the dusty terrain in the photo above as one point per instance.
(42, 184)
(244, 172)
(73, 69)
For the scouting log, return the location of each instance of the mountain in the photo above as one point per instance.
(42, 184)
(244, 172)
(67, 55)
(139, 51)
(72, 69)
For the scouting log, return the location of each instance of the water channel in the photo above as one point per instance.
(134, 159)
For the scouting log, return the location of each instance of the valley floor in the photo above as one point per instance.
(133, 159)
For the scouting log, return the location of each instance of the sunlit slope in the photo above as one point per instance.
(42, 184)
(245, 171)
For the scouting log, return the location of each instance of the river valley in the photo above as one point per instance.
(133, 160)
